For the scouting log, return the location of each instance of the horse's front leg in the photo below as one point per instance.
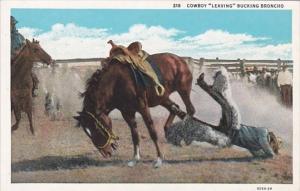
(17, 113)
(29, 115)
(129, 117)
(145, 112)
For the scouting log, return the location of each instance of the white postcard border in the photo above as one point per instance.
(5, 98)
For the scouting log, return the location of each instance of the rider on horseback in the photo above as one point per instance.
(17, 42)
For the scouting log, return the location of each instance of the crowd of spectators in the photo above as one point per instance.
(277, 82)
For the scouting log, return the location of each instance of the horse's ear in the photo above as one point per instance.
(28, 42)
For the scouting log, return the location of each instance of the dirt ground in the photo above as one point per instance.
(61, 153)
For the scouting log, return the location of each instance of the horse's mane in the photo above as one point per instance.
(18, 54)
(91, 85)
(94, 80)
(20, 67)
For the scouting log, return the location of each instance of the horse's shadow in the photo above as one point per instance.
(47, 163)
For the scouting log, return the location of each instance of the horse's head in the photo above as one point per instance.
(37, 53)
(99, 131)
(93, 118)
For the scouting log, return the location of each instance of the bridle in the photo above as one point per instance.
(110, 136)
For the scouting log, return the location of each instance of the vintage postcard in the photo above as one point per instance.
(106, 93)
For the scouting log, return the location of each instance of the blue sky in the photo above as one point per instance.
(271, 27)
(275, 24)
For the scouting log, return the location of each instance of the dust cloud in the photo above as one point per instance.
(257, 106)
(65, 83)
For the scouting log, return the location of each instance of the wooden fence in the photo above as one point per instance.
(241, 66)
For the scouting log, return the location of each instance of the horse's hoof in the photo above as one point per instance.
(158, 163)
(14, 127)
(32, 132)
(132, 163)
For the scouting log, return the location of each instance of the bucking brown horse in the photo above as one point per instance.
(115, 88)
(21, 79)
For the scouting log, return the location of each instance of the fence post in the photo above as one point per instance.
(279, 64)
(242, 67)
(201, 62)
(191, 60)
(190, 63)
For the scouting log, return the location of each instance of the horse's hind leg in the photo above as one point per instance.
(173, 109)
(129, 117)
(184, 91)
(145, 112)
(190, 109)
(18, 118)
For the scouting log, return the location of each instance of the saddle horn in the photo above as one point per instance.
(112, 44)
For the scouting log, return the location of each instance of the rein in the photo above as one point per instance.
(107, 134)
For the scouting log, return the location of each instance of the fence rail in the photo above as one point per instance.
(235, 66)
(241, 65)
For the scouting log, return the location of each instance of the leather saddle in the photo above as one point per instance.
(134, 49)
(137, 58)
